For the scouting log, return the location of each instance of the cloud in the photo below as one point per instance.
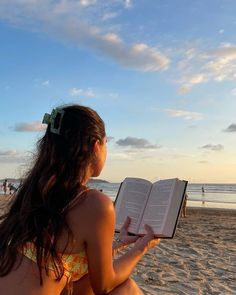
(223, 65)
(41, 83)
(11, 153)
(230, 128)
(183, 114)
(113, 95)
(70, 20)
(200, 66)
(110, 138)
(87, 2)
(135, 142)
(127, 3)
(212, 147)
(12, 156)
(197, 79)
(109, 15)
(82, 92)
(221, 31)
(184, 89)
(118, 156)
(45, 83)
(29, 127)
(233, 91)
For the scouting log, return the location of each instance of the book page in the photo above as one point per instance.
(131, 202)
(174, 208)
(157, 207)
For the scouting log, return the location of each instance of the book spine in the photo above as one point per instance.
(118, 193)
(180, 208)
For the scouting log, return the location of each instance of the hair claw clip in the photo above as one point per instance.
(50, 119)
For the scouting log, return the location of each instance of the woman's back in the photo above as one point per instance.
(26, 276)
(25, 281)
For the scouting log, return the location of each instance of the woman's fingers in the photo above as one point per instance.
(129, 239)
(153, 241)
(126, 223)
(148, 229)
(148, 241)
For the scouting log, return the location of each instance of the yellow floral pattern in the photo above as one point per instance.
(75, 265)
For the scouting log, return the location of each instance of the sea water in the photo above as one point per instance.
(214, 196)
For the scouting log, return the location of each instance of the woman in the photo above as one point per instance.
(57, 237)
(5, 186)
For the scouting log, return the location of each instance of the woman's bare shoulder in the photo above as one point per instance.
(96, 209)
(97, 200)
(95, 203)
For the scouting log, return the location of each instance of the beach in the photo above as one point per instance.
(200, 259)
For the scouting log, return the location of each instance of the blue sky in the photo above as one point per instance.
(160, 73)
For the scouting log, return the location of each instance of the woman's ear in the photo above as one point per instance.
(96, 146)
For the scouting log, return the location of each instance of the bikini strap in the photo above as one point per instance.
(73, 202)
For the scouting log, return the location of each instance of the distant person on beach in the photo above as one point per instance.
(5, 186)
(12, 188)
(203, 195)
(184, 208)
(58, 235)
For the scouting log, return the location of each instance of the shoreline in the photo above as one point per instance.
(191, 205)
(211, 204)
(211, 211)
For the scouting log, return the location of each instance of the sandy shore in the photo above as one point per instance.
(4, 200)
(201, 259)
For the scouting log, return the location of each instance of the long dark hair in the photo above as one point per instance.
(36, 214)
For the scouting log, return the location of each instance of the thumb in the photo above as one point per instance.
(149, 229)
(126, 223)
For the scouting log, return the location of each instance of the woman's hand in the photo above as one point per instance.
(124, 236)
(148, 241)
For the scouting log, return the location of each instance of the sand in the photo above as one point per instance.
(201, 259)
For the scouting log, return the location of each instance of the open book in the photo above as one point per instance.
(158, 205)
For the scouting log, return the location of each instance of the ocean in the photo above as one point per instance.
(214, 196)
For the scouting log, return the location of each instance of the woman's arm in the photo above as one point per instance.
(104, 274)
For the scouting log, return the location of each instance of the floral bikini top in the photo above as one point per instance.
(75, 265)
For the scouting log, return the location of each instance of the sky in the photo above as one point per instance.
(161, 74)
